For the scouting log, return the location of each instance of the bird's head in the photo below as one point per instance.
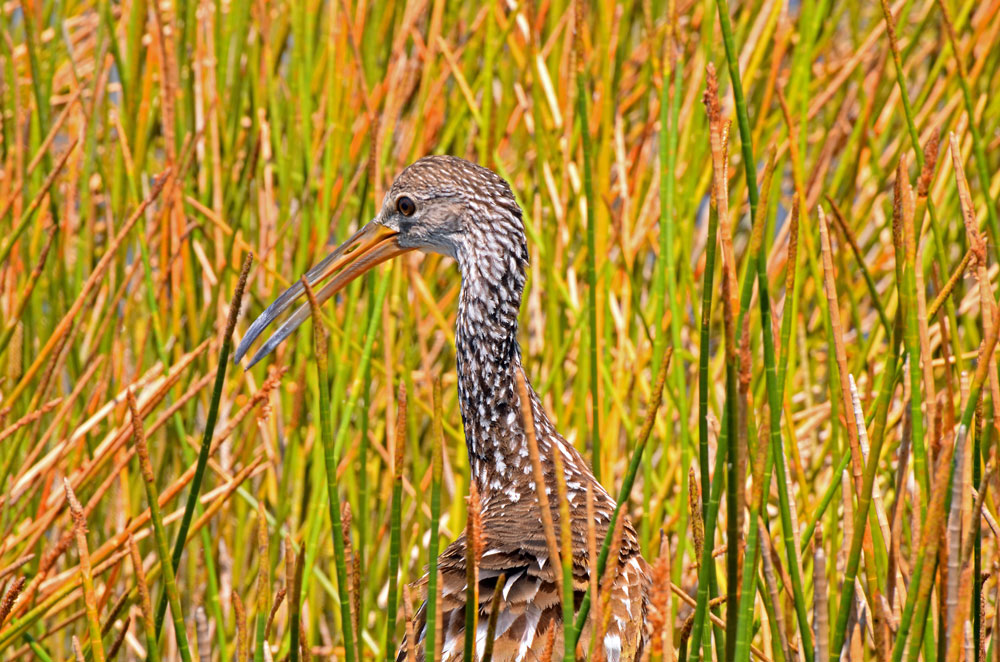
(439, 204)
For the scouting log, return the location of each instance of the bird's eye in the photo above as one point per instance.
(405, 206)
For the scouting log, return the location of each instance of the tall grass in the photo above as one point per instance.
(814, 302)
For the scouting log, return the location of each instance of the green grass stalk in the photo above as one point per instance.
(626, 488)
(437, 460)
(592, 329)
(914, 617)
(670, 94)
(159, 532)
(206, 439)
(263, 582)
(395, 519)
(330, 458)
(706, 561)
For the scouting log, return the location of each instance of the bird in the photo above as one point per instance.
(448, 205)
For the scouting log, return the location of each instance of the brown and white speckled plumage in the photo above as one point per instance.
(450, 206)
(470, 214)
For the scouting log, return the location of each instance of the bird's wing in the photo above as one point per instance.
(529, 604)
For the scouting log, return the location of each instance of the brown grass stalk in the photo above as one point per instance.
(847, 401)
(145, 603)
(956, 277)
(77, 649)
(565, 527)
(607, 584)
(17, 564)
(528, 422)
(833, 304)
(718, 139)
(304, 650)
(10, 597)
(549, 648)
(473, 553)
(29, 418)
(351, 559)
(86, 573)
(876, 495)
(977, 247)
(115, 612)
(119, 639)
(591, 556)
(964, 598)
(694, 512)
(661, 607)
(931, 534)
(902, 462)
(279, 598)
(411, 636)
(242, 650)
(915, 248)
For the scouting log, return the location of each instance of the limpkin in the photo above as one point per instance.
(447, 205)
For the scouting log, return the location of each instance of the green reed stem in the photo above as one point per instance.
(591, 200)
(37, 648)
(206, 439)
(263, 582)
(704, 342)
(739, 604)
(741, 650)
(743, 120)
(570, 633)
(295, 607)
(916, 607)
(626, 490)
(864, 500)
(330, 457)
(159, 532)
(774, 401)
(706, 561)
(437, 460)
(395, 524)
(670, 94)
(908, 295)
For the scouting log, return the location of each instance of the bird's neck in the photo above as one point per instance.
(488, 359)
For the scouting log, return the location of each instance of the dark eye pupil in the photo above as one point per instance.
(405, 206)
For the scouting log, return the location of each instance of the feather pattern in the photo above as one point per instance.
(468, 212)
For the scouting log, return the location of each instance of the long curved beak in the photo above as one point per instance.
(370, 246)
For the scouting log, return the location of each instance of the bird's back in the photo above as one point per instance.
(529, 620)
